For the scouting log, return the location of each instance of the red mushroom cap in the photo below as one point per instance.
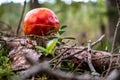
(40, 21)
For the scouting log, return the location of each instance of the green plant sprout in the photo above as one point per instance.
(50, 48)
(54, 41)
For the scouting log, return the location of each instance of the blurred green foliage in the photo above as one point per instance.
(80, 17)
(11, 13)
(104, 45)
(83, 20)
(5, 67)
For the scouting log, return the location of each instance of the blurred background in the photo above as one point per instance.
(85, 19)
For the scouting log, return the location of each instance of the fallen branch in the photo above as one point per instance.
(84, 48)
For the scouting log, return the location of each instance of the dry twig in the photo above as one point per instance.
(89, 60)
(117, 26)
(115, 34)
(60, 56)
(19, 24)
(85, 48)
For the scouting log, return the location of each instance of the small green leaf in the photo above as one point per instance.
(51, 31)
(42, 49)
(63, 27)
(61, 32)
(60, 40)
(51, 38)
(51, 46)
(58, 43)
(69, 38)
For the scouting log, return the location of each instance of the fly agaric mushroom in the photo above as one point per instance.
(40, 21)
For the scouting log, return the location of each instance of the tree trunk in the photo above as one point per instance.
(112, 20)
